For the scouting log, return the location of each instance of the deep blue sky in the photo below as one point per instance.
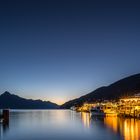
(61, 49)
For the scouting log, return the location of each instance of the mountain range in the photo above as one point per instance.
(8, 100)
(122, 88)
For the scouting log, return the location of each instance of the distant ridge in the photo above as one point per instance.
(124, 87)
(8, 100)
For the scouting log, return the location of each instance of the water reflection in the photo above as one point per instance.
(112, 122)
(85, 119)
(4, 127)
(65, 124)
(129, 129)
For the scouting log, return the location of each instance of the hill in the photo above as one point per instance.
(124, 87)
(12, 101)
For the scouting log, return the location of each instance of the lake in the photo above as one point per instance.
(67, 125)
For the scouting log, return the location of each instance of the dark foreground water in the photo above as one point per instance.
(67, 125)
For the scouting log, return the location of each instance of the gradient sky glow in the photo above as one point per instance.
(61, 49)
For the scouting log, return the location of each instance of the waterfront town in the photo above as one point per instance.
(124, 107)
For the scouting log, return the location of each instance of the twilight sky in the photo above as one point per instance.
(61, 49)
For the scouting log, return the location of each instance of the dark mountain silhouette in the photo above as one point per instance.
(12, 101)
(125, 87)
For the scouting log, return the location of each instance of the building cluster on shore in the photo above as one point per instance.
(126, 107)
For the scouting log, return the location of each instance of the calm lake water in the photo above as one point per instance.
(67, 125)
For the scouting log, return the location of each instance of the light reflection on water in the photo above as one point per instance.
(129, 128)
(85, 119)
(66, 124)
